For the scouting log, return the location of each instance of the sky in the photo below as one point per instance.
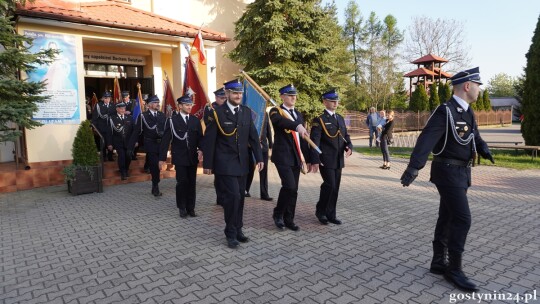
(499, 32)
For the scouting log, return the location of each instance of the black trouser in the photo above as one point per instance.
(454, 218)
(185, 187)
(152, 153)
(231, 191)
(286, 203)
(329, 192)
(105, 153)
(384, 150)
(124, 160)
(263, 175)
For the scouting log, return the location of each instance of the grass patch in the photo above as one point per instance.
(503, 158)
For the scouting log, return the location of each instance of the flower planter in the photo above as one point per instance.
(85, 182)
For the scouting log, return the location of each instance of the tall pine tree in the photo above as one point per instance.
(530, 105)
(486, 101)
(444, 92)
(433, 97)
(293, 41)
(18, 97)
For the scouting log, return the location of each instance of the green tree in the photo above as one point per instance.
(291, 41)
(419, 99)
(444, 92)
(433, 97)
(486, 101)
(353, 32)
(502, 85)
(478, 105)
(530, 105)
(18, 97)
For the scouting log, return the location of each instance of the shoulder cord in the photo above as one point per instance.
(221, 129)
(173, 131)
(113, 128)
(282, 113)
(99, 113)
(459, 140)
(147, 126)
(338, 132)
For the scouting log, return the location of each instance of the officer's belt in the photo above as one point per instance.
(156, 140)
(456, 162)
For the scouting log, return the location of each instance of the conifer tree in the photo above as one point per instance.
(18, 97)
(433, 97)
(291, 41)
(423, 98)
(530, 105)
(478, 105)
(486, 101)
(444, 92)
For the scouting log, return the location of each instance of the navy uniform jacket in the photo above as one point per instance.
(284, 151)
(152, 130)
(266, 135)
(120, 131)
(332, 148)
(229, 155)
(183, 148)
(432, 139)
(208, 115)
(100, 116)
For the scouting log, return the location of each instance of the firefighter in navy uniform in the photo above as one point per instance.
(328, 131)
(118, 137)
(287, 152)
(226, 155)
(208, 118)
(452, 135)
(183, 132)
(127, 101)
(151, 125)
(100, 118)
(209, 109)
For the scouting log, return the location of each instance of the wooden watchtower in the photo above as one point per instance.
(428, 71)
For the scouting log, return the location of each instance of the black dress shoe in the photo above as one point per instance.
(292, 226)
(242, 238)
(232, 243)
(322, 218)
(123, 176)
(247, 194)
(335, 221)
(183, 213)
(266, 198)
(156, 192)
(279, 222)
(192, 213)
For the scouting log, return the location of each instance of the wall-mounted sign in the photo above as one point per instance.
(98, 57)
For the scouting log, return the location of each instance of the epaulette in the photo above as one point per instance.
(273, 111)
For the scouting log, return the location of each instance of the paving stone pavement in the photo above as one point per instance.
(125, 246)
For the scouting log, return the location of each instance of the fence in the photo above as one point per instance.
(407, 121)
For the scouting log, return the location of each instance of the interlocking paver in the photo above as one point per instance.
(134, 248)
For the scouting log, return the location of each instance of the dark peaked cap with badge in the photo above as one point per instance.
(186, 99)
(467, 75)
(121, 105)
(234, 85)
(288, 90)
(107, 94)
(331, 95)
(219, 92)
(152, 99)
(125, 93)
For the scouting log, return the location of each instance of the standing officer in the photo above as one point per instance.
(209, 109)
(452, 135)
(266, 144)
(185, 131)
(151, 125)
(329, 132)
(226, 155)
(287, 155)
(208, 118)
(118, 136)
(100, 118)
(127, 101)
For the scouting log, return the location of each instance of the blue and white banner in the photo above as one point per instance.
(256, 103)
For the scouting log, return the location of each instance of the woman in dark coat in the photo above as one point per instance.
(386, 139)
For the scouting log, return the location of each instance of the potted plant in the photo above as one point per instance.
(84, 175)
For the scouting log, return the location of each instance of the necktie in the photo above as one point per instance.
(122, 117)
(235, 110)
(292, 114)
(187, 119)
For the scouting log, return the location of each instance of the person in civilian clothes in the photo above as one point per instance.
(100, 118)
(386, 137)
(266, 144)
(451, 134)
(118, 137)
(151, 125)
(183, 132)
(372, 121)
(208, 118)
(226, 155)
(289, 146)
(330, 134)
